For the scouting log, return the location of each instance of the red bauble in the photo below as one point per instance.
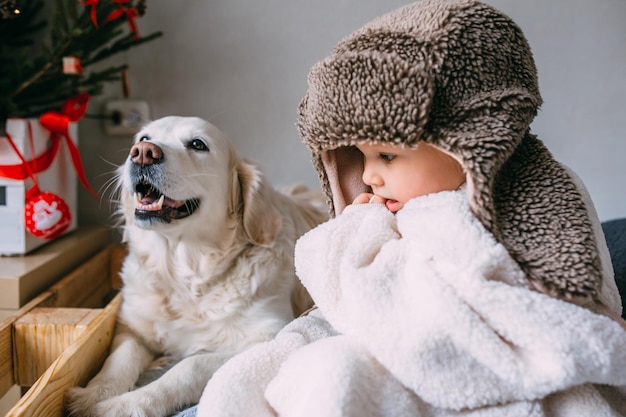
(46, 215)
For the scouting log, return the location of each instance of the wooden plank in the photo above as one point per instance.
(75, 366)
(77, 288)
(87, 286)
(42, 335)
(24, 277)
(6, 359)
(7, 379)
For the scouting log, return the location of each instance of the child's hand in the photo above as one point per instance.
(368, 198)
(392, 205)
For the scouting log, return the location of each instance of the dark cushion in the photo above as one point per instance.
(615, 233)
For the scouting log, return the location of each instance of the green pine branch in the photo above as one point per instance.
(33, 82)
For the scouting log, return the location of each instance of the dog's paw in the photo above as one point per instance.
(131, 404)
(81, 402)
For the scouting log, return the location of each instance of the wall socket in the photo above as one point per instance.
(125, 117)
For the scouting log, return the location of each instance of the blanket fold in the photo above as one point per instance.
(423, 336)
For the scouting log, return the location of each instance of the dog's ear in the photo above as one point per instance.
(252, 198)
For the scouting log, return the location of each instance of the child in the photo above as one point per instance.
(472, 290)
(397, 175)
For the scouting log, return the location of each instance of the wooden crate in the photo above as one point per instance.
(61, 338)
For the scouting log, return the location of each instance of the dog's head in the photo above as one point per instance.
(183, 176)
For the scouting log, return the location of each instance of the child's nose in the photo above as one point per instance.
(370, 176)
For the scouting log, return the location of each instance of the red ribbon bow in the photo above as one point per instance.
(130, 12)
(94, 6)
(29, 168)
(58, 123)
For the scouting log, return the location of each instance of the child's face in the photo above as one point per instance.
(398, 174)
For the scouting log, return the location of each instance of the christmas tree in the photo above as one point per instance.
(37, 75)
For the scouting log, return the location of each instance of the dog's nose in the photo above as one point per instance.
(145, 153)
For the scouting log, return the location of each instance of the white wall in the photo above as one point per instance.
(242, 64)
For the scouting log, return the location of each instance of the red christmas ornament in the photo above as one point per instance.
(46, 215)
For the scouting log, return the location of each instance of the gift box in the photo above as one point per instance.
(38, 185)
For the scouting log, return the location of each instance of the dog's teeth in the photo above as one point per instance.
(137, 198)
(159, 203)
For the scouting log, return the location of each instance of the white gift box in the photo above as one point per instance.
(59, 178)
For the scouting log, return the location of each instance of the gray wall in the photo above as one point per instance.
(242, 64)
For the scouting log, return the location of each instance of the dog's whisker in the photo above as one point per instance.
(214, 115)
(112, 188)
(109, 187)
(201, 175)
(111, 163)
(191, 205)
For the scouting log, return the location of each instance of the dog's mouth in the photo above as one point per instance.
(151, 203)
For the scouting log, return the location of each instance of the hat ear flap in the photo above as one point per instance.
(343, 168)
(544, 222)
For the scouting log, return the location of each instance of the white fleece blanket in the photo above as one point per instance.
(424, 314)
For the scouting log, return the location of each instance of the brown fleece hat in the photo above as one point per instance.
(459, 75)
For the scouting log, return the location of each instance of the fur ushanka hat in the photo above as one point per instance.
(460, 75)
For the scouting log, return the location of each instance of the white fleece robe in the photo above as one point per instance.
(423, 313)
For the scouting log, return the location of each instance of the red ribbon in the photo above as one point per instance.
(94, 6)
(58, 123)
(36, 165)
(25, 168)
(130, 12)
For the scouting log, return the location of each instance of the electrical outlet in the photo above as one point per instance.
(125, 117)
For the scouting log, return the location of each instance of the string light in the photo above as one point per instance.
(9, 9)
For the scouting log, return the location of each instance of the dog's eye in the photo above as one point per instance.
(198, 145)
(143, 139)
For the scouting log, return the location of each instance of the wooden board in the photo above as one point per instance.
(42, 335)
(6, 359)
(79, 362)
(89, 285)
(22, 278)
(7, 379)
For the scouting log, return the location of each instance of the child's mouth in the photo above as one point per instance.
(393, 205)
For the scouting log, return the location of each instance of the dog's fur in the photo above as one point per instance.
(203, 280)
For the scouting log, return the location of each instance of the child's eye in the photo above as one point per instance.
(387, 157)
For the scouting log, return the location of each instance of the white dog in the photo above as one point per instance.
(209, 271)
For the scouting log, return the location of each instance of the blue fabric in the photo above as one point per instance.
(189, 412)
(615, 234)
